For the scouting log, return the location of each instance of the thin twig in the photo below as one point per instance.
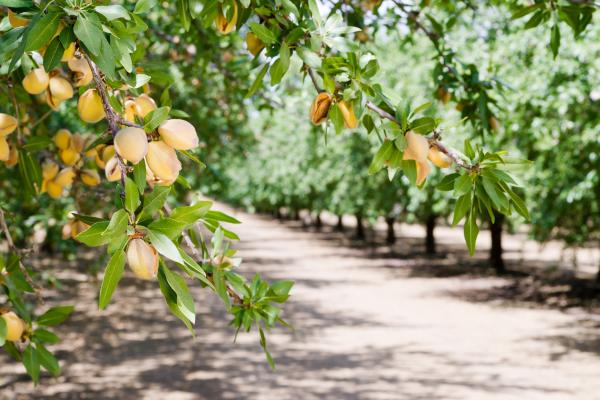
(112, 117)
(433, 141)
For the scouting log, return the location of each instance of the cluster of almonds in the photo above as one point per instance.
(15, 326)
(418, 147)
(8, 153)
(320, 110)
(162, 164)
(72, 155)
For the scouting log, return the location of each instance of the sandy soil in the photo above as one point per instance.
(369, 324)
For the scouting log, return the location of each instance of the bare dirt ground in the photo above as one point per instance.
(370, 323)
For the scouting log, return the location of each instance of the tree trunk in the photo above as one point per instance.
(340, 223)
(278, 214)
(391, 235)
(318, 221)
(360, 228)
(496, 249)
(429, 237)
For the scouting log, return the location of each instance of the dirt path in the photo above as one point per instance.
(367, 327)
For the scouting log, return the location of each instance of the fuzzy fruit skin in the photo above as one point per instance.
(68, 53)
(254, 44)
(36, 81)
(60, 88)
(162, 160)
(8, 124)
(13, 157)
(223, 25)
(112, 170)
(14, 326)
(320, 108)
(82, 70)
(142, 258)
(144, 104)
(179, 134)
(69, 156)
(65, 177)
(73, 228)
(131, 144)
(103, 154)
(4, 149)
(417, 147)
(15, 21)
(54, 189)
(494, 124)
(418, 150)
(350, 120)
(90, 177)
(90, 107)
(49, 170)
(130, 110)
(439, 159)
(62, 139)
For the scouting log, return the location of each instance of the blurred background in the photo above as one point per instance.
(387, 303)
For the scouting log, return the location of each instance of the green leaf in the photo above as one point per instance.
(469, 152)
(132, 195)
(42, 31)
(423, 125)
(154, 201)
(53, 54)
(118, 223)
(55, 315)
(309, 57)
(89, 31)
(188, 215)
(185, 302)
(139, 176)
(41, 335)
(258, 81)
(281, 65)
(462, 206)
(93, 235)
(221, 216)
(519, 204)
(112, 276)
(183, 11)
(165, 246)
(155, 118)
(447, 182)
(463, 184)
(168, 227)
(31, 363)
(471, 231)
(16, 3)
(143, 6)
(113, 12)
(171, 298)
(48, 361)
(555, 40)
(263, 33)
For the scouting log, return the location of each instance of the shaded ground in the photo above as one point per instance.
(370, 323)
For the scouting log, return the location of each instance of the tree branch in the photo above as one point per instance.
(433, 141)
